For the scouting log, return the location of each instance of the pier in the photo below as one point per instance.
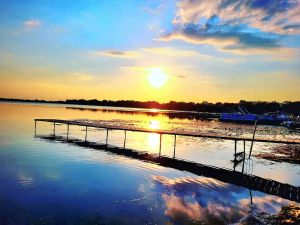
(226, 175)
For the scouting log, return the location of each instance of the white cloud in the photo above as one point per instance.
(32, 23)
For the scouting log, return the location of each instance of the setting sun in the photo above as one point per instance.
(157, 78)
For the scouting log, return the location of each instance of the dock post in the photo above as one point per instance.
(54, 129)
(160, 135)
(67, 132)
(174, 146)
(35, 128)
(244, 157)
(106, 136)
(234, 161)
(124, 145)
(253, 139)
(85, 133)
(235, 148)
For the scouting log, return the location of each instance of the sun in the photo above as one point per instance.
(157, 78)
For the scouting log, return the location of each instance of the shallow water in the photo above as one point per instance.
(56, 183)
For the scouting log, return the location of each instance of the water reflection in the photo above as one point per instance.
(209, 201)
(153, 138)
(54, 183)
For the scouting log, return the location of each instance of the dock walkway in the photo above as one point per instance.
(164, 132)
(250, 181)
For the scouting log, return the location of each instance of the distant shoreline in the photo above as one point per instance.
(258, 107)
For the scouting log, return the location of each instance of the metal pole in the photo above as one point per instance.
(253, 138)
(235, 148)
(234, 161)
(85, 133)
(35, 128)
(124, 139)
(106, 136)
(54, 128)
(67, 132)
(244, 156)
(160, 135)
(174, 146)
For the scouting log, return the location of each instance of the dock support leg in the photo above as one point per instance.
(124, 145)
(174, 146)
(54, 129)
(235, 148)
(160, 135)
(106, 137)
(234, 161)
(85, 133)
(244, 156)
(67, 132)
(34, 128)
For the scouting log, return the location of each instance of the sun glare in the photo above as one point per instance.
(157, 78)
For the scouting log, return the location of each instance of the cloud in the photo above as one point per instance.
(171, 51)
(235, 24)
(116, 54)
(32, 23)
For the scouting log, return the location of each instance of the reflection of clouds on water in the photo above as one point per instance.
(268, 203)
(209, 200)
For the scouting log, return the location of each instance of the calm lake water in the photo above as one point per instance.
(44, 182)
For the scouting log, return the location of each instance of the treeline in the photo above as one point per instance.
(257, 107)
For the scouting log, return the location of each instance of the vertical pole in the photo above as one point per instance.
(124, 145)
(235, 148)
(67, 132)
(244, 156)
(35, 128)
(85, 133)
(234, 161)
(160, 145)
(54, 128)
(106, 136)
(174, 146)
(253, 138)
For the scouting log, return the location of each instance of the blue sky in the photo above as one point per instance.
(223, 50)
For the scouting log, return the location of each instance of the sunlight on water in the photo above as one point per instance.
(59, 183)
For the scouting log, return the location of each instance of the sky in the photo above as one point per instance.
(200, 50)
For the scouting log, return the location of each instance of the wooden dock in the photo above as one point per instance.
(163, 132)
(251, 182)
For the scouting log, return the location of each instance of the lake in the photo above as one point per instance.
(48, 182)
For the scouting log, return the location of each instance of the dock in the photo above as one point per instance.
(251, 182)
(163, 132)
(239, 178)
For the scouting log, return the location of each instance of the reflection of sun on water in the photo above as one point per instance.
(154, 124)
(153, 139)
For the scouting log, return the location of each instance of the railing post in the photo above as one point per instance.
(124, 145)
(244, 156)
(54, 128)
(160, 135)
(174, 146)
(106, 136)
(235, 160)
(35, 128)
(235, 148)
(85, 133)
(67, 132)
